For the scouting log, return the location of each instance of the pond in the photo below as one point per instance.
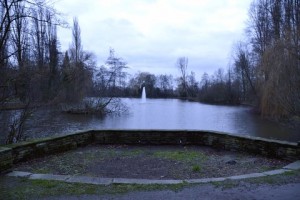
(156, 114)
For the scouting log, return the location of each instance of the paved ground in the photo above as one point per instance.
(210, 192)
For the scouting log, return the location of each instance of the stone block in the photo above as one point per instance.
(23, 152)
(90, 180)
(205, 180)
(6, 159)
(145, 181)
(19, 174)
(246, 176)
(42, 148)
(51, 177)
(293, 166)
(276, 172)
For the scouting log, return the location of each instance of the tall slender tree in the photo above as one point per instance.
(76, 48)
(182, 64)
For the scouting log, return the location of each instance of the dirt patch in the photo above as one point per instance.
(152, 162)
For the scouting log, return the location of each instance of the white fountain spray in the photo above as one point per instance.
(144, 95)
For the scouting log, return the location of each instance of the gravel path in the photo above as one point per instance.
(209, 192)
(150, 162)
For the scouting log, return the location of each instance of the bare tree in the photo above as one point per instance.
(182, 64)
(105, 84)
(39, 37)
(23, 49)
(52, 58)
(17, 125)
(116, 66)
(244, 70)
(76, 48)
(274, 33)
(259, 26)
(166, 85)
(78, 68)
(18, 20)
(20, 36)
(192, 85)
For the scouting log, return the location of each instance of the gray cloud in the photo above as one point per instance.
(151, 34)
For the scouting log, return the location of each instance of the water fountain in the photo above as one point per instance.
(144, 95)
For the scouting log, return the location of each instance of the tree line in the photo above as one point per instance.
(272, 63)
(264, 70)
(31, 65)
(33, 68)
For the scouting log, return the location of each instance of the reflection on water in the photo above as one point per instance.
(158, 114)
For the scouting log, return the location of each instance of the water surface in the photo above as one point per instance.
(158, 114)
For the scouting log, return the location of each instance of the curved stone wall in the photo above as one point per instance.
(11, 154)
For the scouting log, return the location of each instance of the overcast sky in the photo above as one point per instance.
(151, 34)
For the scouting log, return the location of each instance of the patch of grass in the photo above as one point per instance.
(41, 171)
(225, 184)
(183, 156)
(276, 179)
(267, 168)
(271, 180)
(44, 183)
(132, 153)
(108, 153)
(90, 156)
(124, 188)
(196, 168)
(292, 173)
(36, 189)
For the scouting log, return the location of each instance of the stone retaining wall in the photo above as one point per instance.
(11, 154)
(254, 145)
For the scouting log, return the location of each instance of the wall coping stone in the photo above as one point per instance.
(46, 139)
(194, 131)
(4, 149)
